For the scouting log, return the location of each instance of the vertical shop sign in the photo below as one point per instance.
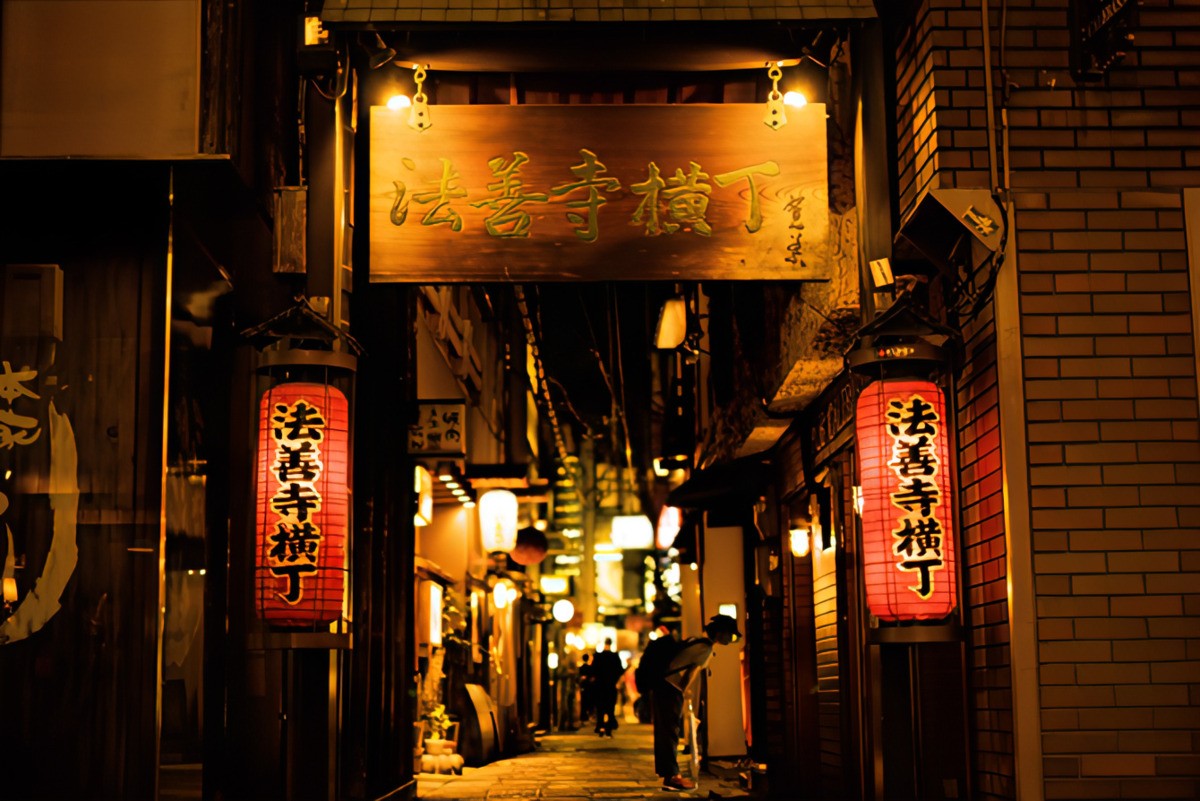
(908, 529)
(439, 429)
(303, 504)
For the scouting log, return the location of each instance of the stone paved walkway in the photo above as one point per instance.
(578, 766)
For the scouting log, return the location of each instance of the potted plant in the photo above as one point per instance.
(439, 723)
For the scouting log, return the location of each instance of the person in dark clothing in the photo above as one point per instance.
(607, 670)
(651, 667)
(668, 691)
(587, 682)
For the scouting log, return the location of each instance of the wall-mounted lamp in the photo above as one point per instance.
(672, 326)
(798, 539)
(423, 486)
(795, 99)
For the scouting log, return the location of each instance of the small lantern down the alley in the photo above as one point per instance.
(302, 473)
(903, 440)
(498, 513)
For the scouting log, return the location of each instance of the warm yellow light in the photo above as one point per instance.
(435, 613)
(799, 542)
(552, 660)
(554, 585)
(498, 520)
(670, 520)
(397, 102)
(795, 99)
(423, 485)
(563, 610)
(500, 595)
(10, 590)
(672, 324)
(632, 532)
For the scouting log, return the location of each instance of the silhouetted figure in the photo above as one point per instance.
(607, 670)
(587, 694)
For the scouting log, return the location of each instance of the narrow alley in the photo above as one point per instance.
(573, 766)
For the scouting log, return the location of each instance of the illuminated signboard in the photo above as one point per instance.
(591, 192)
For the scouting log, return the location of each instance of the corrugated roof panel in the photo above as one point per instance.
(466, 11)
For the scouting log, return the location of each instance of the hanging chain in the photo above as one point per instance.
(418, 117)
(775, 118)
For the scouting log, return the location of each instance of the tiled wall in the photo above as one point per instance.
(928, 125)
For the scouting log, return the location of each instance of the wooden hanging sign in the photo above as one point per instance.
(604, 193)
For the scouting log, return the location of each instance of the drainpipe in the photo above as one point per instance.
(1026, 686)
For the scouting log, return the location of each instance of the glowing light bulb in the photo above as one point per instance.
(795, 99)
(397, 102)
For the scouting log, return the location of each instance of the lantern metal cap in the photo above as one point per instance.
(900, 340)
(299, 334)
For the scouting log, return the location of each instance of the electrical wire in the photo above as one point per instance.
(621, 381)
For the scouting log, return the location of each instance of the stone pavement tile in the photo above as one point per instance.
(461, 789)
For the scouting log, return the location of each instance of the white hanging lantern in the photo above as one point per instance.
(498, 520)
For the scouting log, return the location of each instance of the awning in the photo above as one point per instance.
(740, 479)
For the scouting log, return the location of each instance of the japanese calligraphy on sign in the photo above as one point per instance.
(599, 193)
(16, 429)
(439, 430)
(298, 430)
(302, 505)
(906, 500)
(914, 427)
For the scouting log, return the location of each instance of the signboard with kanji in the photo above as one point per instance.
(439, 430)
(614, 192)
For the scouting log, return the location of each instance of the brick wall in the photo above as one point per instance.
(984, 569)
(1110, 381)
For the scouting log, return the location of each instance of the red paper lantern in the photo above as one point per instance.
(907, 514)
(531, 546)
(303, 504)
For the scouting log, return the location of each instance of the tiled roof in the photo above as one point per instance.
(468, 11)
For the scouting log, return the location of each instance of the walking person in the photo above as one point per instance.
(668, 689)
(607, 669)
(587, 677)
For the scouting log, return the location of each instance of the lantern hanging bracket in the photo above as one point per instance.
(300, 326)
(900, 341)
(775, 117)
(418, 115)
